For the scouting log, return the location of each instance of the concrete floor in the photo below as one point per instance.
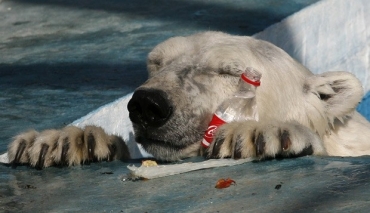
(61, 59)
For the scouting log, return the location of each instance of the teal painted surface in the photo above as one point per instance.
(308, 184)
(364, 106)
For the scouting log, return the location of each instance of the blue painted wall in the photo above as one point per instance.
(364, 106)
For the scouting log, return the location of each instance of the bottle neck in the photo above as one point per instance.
(245, 90)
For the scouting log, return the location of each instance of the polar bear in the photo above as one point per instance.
(299, 113)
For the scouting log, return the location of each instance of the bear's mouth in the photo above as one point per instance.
(169, 150)
(170, 143)
(145, 142)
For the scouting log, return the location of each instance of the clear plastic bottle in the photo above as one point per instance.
(241, 106)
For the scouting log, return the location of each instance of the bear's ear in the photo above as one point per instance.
(166, 52)
(340, 92)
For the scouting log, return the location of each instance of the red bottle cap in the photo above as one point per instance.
(249, 81)
(251, 76)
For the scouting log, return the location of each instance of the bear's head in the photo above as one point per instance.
(190, 76)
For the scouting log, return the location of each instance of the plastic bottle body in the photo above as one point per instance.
(241, 106)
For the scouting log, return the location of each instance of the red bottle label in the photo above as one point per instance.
(212, 127)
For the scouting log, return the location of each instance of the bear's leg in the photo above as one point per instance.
(265, 140)
(68, 146)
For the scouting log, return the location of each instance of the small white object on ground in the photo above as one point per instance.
(174, 169)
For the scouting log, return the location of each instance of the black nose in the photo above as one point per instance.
(149, 107)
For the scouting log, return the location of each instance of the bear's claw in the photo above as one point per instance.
(285, 140)
(65, 149)
(260, 144)
(41, 160)
(18, 155)
(91, 147)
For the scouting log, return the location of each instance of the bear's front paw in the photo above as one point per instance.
(68, 146)
(264, 140)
